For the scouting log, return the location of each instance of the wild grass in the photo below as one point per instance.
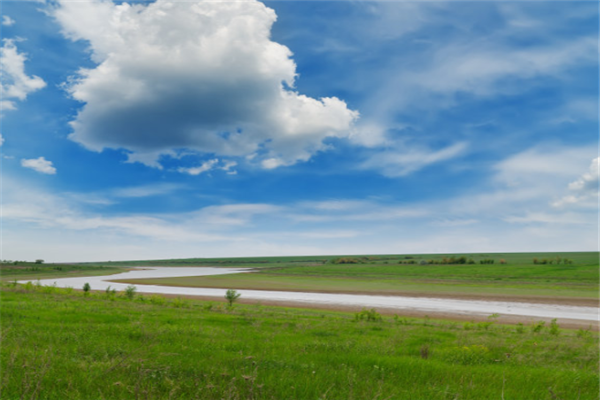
(571, 275)
(59, 344)
(27, 270)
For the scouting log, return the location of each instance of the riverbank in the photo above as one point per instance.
(62, 343)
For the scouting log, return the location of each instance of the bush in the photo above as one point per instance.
(231, 296)
(554, 328)
(537, 327)
(130, 292)
(86, 289)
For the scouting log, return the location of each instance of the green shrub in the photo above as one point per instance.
(231, 296)
(554, 329)
(130, 292)
(369, 315)
(538, 326)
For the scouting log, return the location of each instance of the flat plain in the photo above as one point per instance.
(64, 343)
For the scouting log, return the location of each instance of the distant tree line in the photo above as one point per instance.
(557, 260)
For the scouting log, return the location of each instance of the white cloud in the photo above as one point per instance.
(480, 67)
(7, 21)
(16, 84)
(543, 166)
(584, 190)
(145, 190)
(205, 167)
(402, 162)
(233, 214)
(1, 140)
(39, 164)
(202, 76)
(528, 188)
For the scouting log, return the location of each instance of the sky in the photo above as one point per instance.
(176, 129)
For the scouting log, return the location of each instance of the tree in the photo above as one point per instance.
(232, 296)
(86, 289)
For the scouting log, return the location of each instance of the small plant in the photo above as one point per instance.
(425, 352)
(584, 333)
(369, 315)
(130, 292)
(110, 291)
(231, 296)
(554, 329)
(86, 289)
(520, 328)
(538, 326)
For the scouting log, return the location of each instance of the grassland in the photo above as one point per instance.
(64, 344)
(32, 271)
(511, 275)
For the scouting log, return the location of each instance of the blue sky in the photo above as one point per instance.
(202, 129)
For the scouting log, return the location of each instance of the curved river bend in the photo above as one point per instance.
(418, 304)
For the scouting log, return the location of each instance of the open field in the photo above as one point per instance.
(266, 262)
(517, 277)
(33, 271)
(63, 344)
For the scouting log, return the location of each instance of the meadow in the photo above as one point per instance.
(20, 270)
(66, 344)
(550, 276)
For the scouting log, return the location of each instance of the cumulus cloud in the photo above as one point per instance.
(7, 21)
(40, 165)
(199, 76)
(16, 84)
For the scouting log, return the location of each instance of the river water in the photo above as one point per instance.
(400, 303)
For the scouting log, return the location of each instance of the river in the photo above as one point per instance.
(400, 303)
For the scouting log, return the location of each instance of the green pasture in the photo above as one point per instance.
(267, 262)
(32, 271)
(64, 344)
(516, 276)
(260, 281)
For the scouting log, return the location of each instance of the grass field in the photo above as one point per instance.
(33, 271)
(516, 276)
(64, 344)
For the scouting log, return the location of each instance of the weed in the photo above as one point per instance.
(424, 352)
(537, 327)
(520, 328)
(554, 329)
(368, 315)
(130, 292)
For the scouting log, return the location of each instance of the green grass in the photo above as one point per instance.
(33, 271)
(518, 276)
(266, 262)
(63, 344)
(375, 286)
